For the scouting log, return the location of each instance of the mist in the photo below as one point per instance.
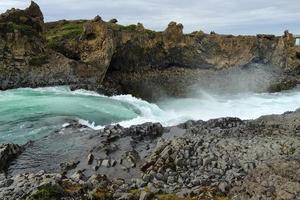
(235, 92)
(253, 78)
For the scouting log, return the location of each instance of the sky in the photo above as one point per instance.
(246, 17)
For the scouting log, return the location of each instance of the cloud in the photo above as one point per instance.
(230, 16)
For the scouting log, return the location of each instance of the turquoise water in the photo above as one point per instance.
(30, 114)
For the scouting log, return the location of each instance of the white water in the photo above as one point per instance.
(29, 114)
(205, 106)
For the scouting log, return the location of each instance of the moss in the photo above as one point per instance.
(38, 60)
(173, 197)
(131, 27)
(100, 194)
(71, 188)
(135, 192)
(47, 192)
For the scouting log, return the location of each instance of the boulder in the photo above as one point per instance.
(114, 21)
(8, 152)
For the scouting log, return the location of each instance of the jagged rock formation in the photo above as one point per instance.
(132, 59)
(151, 64)
(224, 158)
(7, 153)
(25, 59)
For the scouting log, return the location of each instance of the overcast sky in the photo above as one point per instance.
(222, 16)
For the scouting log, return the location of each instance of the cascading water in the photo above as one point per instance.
(29, 114)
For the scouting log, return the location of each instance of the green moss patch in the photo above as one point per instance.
(64, 34)
(47, 192)
(100, 194)
(66, 30)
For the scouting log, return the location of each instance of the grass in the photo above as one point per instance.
(67, 30)
(63, 33)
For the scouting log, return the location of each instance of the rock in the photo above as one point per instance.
(35, 11)
(28, 57)
(96, 167)
(140, 27)
(78, 176)
(274, 179)
(146, 195)
(127, 196)
(265, 36)
(106, 163)
(66, 166)
(6, 183)
(97, 19)
(8, 152)
(113, 163)
(222, 187)
(145, 131)
(90, 159)
(114, 21)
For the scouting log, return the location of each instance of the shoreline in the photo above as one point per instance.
(154, 159)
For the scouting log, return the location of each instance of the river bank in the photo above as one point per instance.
(226, 157)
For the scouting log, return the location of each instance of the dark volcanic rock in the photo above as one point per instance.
(8, 152)
(278, 179)
(133, 59)
(26, 59)
(226, 157)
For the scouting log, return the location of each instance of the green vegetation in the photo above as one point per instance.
(100, 194)
(12, 27)
(131, 27)
(63, 33)
(66, 30)
(173, 197)
(47, 192)
(119, 27)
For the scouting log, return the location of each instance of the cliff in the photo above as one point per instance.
(152, 64)
(132, 59)
(25, 59)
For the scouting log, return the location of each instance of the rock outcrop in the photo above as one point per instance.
(25, 59)
(7, 153)
(224, 158)
(133, 59)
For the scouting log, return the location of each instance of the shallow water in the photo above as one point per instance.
(30, 114)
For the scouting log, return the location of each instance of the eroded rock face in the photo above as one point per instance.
(7, 153)
(170, 63)
(133, 59)
(26, 60)
(96, 47)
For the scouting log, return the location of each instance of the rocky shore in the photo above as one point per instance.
(224, 158)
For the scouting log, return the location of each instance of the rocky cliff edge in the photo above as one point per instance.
(133, 59)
